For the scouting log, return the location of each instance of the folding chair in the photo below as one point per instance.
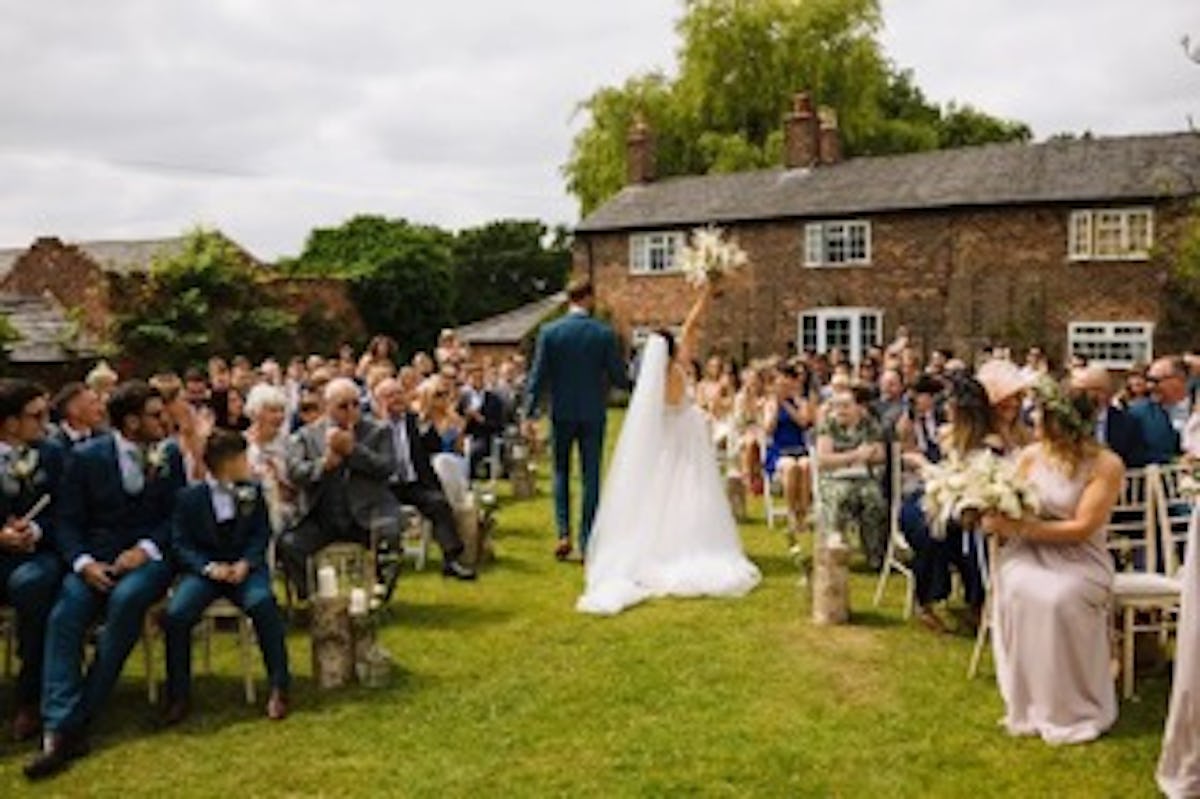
(899, 555)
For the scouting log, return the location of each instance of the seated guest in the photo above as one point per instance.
(891, 404)
(484, 414)
(228, 407)
(339, 466)
(79, 414)
(849, 443)
(1163, 416)
(196, 388)
(1115, 428)
(923, 442)
(441, 425)
(309, 407)
(788, 417)
(30, 468)
(266, 407)
(113, 528)
(380, 352)
(219, 537)
(187, 427)
(1054, 580)
(749, 407)
(102, 379)
(413, 480)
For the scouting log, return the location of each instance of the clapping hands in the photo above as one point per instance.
(17, 536)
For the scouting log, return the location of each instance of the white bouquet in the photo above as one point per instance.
(965, 488)
(708, 255)
(1189, 482)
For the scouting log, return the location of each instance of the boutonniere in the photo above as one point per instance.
(246, 497)
(157, 463)
(24, 471)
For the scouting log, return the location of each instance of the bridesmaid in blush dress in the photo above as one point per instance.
(1054, 581)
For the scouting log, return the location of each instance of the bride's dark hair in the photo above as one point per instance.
(670, 337)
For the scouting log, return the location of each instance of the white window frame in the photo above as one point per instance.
(1083, 228)
(858, 345)
(818, 237)
(1135, 332)
(642, 245)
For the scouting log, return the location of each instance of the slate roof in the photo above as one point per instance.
(129, 257)
(1092, 170)
(511, 327)
(44, 327)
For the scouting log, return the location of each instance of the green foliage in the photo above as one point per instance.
(9, 335)
(1181, 294)
(740, 61)
(205, 300)
(410, 280)
(506, 264)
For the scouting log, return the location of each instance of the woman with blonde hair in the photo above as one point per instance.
(1054, 578)
(266, 407)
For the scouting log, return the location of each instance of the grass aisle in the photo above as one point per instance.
(504, 691)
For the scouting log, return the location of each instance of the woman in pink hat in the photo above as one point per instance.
(1005, 386)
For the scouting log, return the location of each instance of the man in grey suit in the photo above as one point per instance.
(578, 360)
(341, 465)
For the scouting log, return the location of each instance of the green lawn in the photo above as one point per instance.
(505, 691)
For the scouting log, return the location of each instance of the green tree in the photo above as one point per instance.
(739, 62)
(204, 300)
(505, 264)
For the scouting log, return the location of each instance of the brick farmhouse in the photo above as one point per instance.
(1065, 244)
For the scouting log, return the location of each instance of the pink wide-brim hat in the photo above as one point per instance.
(1001, 379)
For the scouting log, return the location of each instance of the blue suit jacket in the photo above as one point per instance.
(46, 479)
(1123, 435)
(96, 517)
(578, 360)
(197, 539)
(1162, 444)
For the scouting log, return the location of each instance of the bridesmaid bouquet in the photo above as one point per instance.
(709, 256)
(966, 488)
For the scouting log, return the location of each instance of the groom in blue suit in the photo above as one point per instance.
(578, 360)
(113, 530)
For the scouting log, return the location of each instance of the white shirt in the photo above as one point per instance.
(129, 462)
(223, 501)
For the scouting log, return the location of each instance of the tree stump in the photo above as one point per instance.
(831, 583)
(522, 479)
(466, 519)
(735, 489)
(332, 643)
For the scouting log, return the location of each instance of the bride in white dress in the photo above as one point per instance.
(664, 526)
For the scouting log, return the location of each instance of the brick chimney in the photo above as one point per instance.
(639, 154)
(800, 134)
(829, 140)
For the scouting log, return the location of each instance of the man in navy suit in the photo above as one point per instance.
(30, 470)
(577, 361)
(79, 414)
(113, 528)
(219, 537)
(1163, 416)
(484, 412)
(1115, 428)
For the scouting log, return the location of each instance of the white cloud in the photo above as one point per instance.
(268, 117)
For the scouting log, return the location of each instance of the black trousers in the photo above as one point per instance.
(306, 539)
(433, 505)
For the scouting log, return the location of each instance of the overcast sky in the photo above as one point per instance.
(138, 118)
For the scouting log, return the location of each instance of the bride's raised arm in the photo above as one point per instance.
(687, 337)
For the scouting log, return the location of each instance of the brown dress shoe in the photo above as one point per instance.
(58, 750)
(177, 711)
(277, 705)
(563, 550)
(26, 724)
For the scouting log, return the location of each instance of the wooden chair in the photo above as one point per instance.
(899, 554)
(225, 611)
(985, 614)
(1143, 595)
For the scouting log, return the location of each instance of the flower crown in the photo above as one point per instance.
(1056, 403)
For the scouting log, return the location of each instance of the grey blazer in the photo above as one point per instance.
(363, 476)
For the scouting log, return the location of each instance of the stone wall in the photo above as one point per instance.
(65, 271)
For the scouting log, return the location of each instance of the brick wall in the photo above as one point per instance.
(65, 271)
(956, 278)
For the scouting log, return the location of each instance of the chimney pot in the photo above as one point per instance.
(640, 154)
(829, 144)
(800, 134)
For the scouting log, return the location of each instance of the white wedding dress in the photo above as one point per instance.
(664, 526)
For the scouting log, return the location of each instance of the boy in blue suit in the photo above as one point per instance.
(220, 537)
(113, 527)
(30, 470)
(578, 360)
